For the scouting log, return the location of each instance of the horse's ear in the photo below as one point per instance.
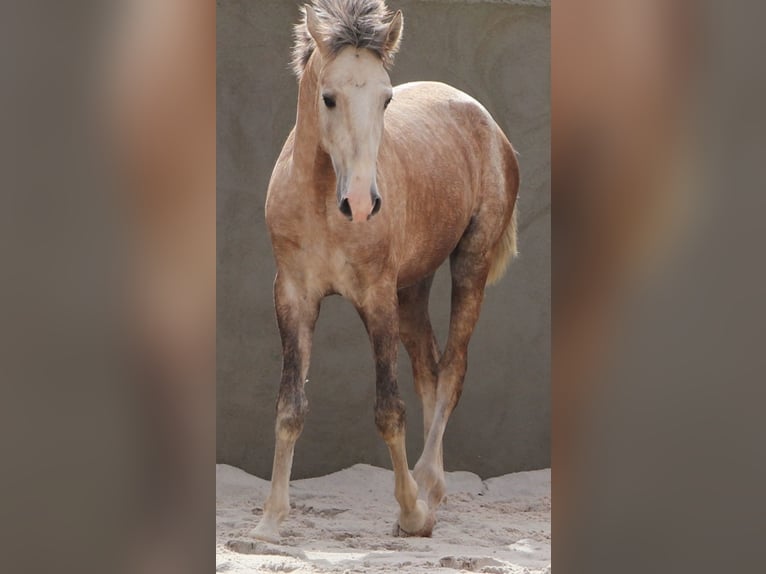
(314, 28)
(394, 33)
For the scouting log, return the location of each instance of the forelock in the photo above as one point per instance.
(356, 23)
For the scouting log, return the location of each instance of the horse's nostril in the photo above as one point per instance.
(345, 207)
(376, 201)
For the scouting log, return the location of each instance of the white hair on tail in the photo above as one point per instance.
(505, 250)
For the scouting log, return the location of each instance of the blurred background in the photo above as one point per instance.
(499, 54)
(108, 286)
(657, 147)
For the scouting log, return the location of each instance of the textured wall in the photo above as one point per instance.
(497, 52)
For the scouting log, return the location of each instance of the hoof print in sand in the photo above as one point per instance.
(263, 549)
(486, 565)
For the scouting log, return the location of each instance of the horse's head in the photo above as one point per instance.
(354, 92)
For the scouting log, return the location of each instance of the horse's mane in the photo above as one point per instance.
(357, 23)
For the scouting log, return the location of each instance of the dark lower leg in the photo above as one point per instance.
(291, 411)
(296, 323)
(382, 325)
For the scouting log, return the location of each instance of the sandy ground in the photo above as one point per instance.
(342, 523)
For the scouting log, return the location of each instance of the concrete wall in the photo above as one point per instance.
(497, 52)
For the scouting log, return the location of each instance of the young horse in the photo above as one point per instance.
(370, 209)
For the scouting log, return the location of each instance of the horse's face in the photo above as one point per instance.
(354, 91)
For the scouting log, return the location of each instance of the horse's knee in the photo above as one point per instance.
(390, 417)
(292, 407)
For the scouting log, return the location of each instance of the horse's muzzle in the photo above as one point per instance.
(355, 206)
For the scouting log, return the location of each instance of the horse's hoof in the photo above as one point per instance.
(266, 532)
(424, 532)
(420, 522)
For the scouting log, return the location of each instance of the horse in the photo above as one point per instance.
(374, 189)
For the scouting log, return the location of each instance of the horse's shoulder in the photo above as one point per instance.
(279, 188)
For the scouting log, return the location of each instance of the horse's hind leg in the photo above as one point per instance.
(469, 267)
(296, 316)
(420, 342)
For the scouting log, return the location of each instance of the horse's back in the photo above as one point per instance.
(452, 162)
(428, 105)
(438, 97)
(444, 132)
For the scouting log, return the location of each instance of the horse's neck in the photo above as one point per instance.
(306, 144)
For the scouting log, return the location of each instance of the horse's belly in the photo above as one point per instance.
(411, 274)
(426, 253)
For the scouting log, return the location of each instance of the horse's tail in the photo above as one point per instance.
(504, 251)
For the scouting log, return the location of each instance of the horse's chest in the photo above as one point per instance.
(332, 255)
(358, 272)
(333, 268)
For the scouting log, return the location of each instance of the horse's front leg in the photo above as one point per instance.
(296, 316)
(380, 316)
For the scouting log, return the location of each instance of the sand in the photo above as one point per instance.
(342, 523)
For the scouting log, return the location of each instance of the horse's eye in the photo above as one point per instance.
(329, 101)
(388, 101)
